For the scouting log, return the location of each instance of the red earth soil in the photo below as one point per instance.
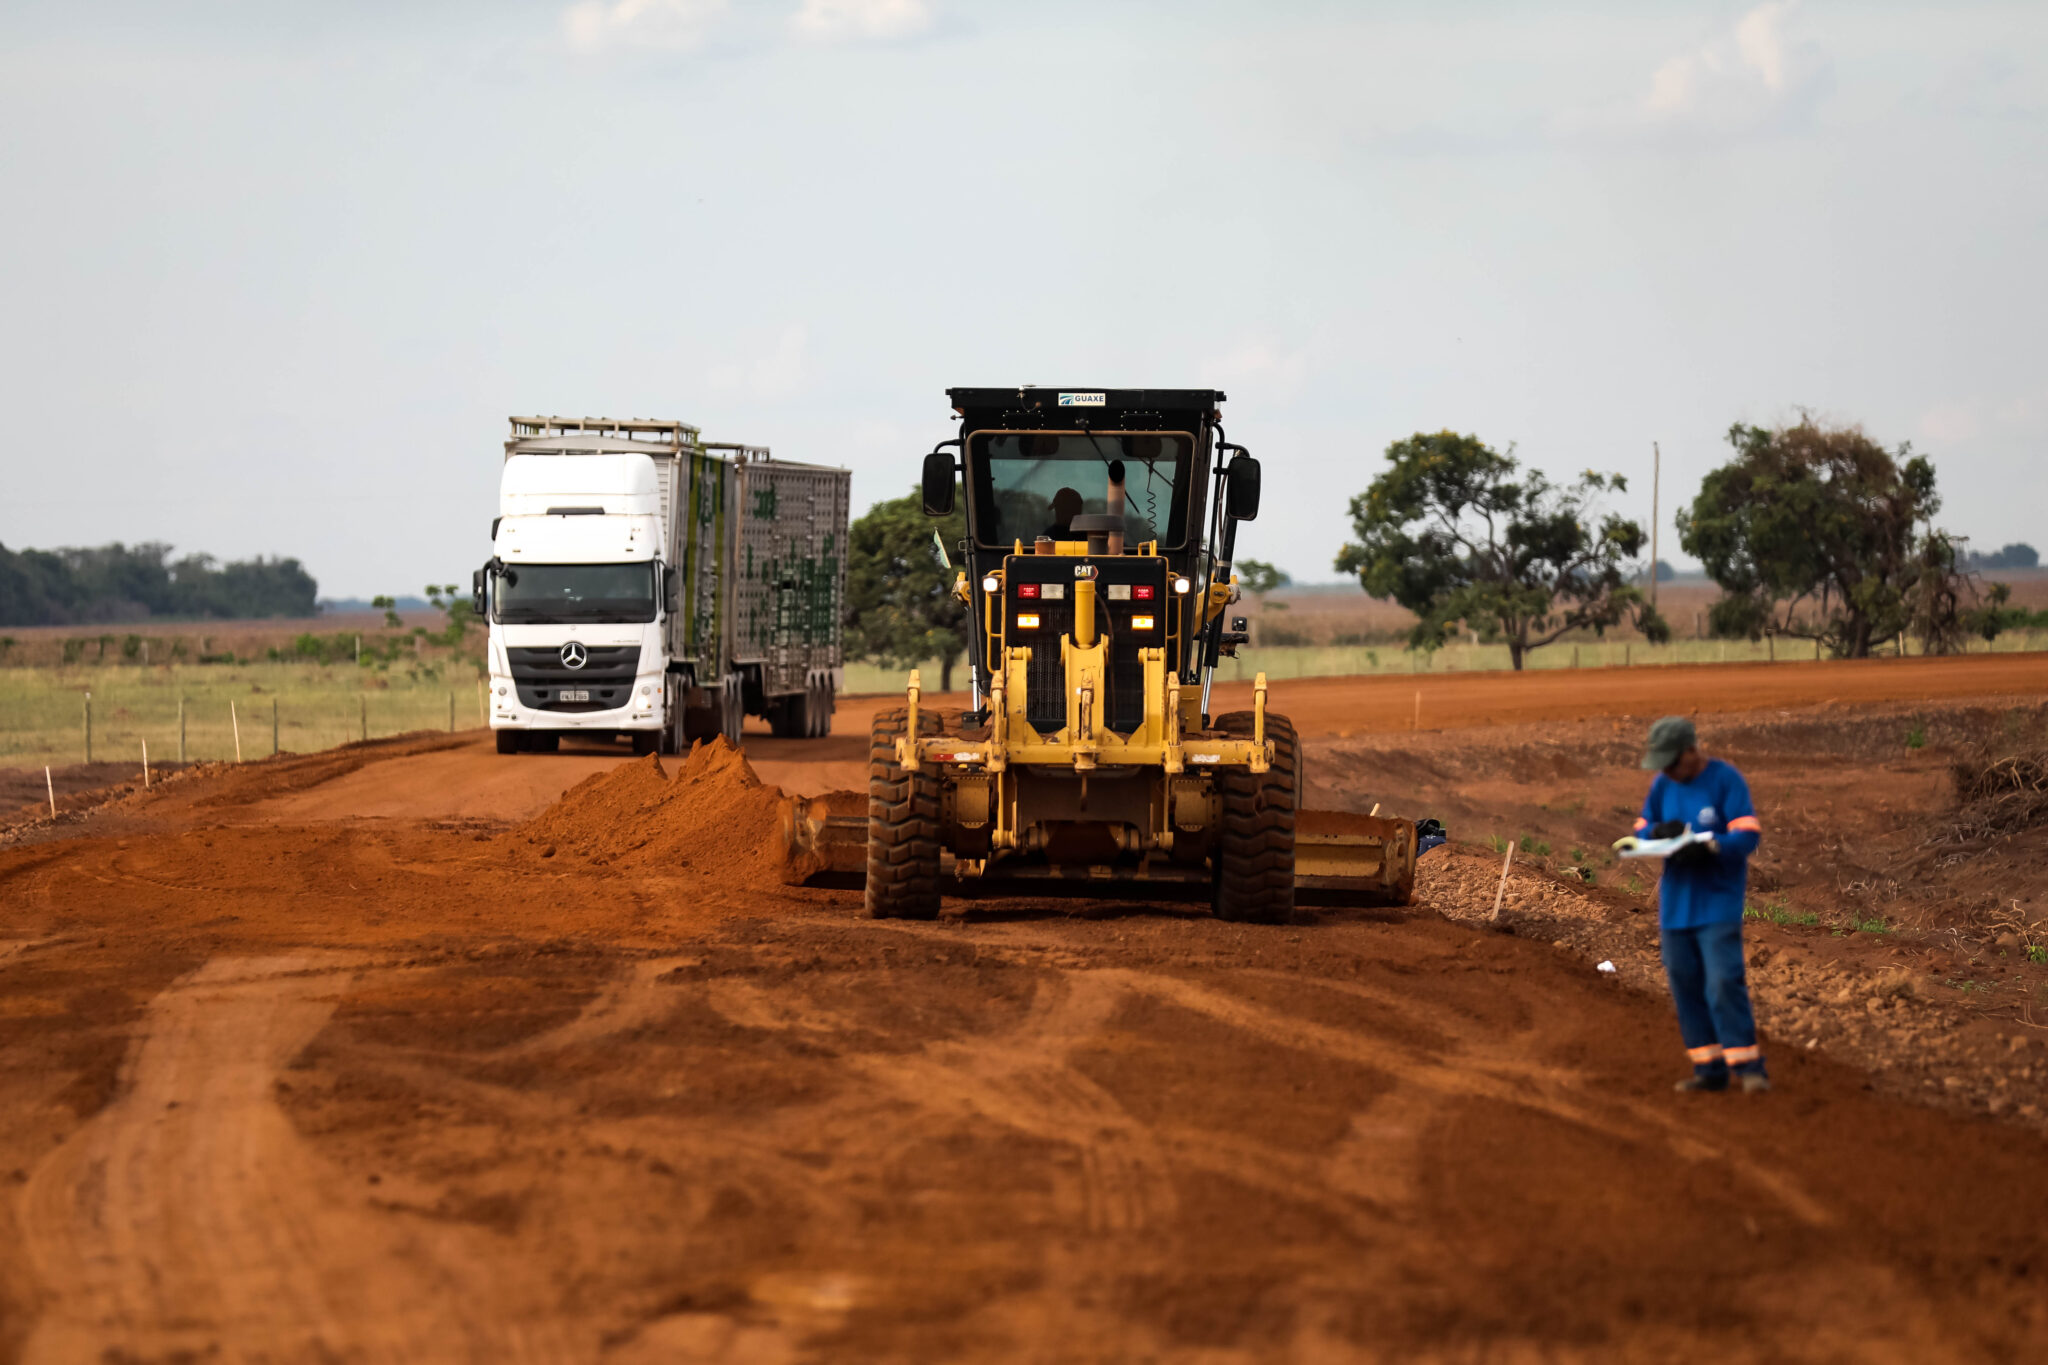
(283, 1078)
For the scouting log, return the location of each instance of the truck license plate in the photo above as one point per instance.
(573, 694)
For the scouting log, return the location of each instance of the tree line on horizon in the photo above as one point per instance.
(1812, 533)
(115, 583)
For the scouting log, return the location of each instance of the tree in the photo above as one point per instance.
(1456, 531)
(1820, 533)
(1258, 578)
(900, 607)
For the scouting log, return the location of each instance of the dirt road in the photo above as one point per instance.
(279, 1082)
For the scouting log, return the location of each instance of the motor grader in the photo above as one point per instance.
(1101, 527)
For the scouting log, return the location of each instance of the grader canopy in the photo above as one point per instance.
(1097, 564)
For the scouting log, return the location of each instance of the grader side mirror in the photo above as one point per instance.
(476, 592)
(1242, 499)
(938, 484)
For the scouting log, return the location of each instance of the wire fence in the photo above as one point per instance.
(213, 712)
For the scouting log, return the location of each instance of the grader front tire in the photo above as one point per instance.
(903, 825)
(1255, 843)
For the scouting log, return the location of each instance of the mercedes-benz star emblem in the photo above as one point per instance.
(574, 655)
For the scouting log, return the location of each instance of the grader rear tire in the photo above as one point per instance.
(1255, 843)
(903, 824)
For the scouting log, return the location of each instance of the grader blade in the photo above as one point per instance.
(1344, 858)
(826, 837)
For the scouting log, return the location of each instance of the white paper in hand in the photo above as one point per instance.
(1633, 847)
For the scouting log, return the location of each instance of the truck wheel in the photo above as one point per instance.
(903, 825)
(732, 710)
(508, 741)
(542, 742)
(646, 742)
(821, 709)
(1255, 841)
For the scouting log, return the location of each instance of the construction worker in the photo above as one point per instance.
(1700, 903)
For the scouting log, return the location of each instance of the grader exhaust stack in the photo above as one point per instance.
(1101, 526)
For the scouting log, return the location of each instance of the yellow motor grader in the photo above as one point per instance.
(1101, 524)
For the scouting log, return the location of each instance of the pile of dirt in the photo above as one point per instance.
(712, 816)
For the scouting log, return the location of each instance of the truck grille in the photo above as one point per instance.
(541, 677)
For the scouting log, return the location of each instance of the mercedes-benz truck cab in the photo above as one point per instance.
(579, 601)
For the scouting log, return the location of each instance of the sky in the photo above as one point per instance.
(272, 276)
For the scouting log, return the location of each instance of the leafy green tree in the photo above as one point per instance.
(1456, 531)
(455, 605)
(1820, 533)
(900, 607)
(1258, 578)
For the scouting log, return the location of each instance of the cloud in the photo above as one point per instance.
(841, 21)
(778, 374)
(1750, 76)
(657, 25)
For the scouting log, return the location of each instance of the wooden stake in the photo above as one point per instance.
(88, 727)
(1501, 894)
(51, 786)
(451, 713)
(181, 729)
(235, 720)
(1416, 724)
(145, 765)
(363, 699)
(273, 727)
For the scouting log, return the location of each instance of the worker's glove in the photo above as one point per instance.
(1669, 829)
(1697, 855)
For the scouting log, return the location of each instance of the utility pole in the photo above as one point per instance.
(1656, 490)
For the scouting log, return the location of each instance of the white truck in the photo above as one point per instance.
(649, 585)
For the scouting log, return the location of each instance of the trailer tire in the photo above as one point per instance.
(1255, 840)
(903, 825)
(822, 707)
(732, 710)
(508, 741)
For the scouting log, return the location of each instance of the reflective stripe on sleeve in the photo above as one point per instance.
(1641, 824)
(1710, 1053)
(1747, 822)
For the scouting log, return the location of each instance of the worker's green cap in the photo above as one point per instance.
(1669, 738)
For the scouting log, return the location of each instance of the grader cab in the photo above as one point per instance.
(1101, 526)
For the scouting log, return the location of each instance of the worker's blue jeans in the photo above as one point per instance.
(1708, 985)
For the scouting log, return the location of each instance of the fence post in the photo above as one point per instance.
(451, 712)
(273, 727)
(235, 719)
(363, 700)
(88, 727)
(181, 729)
(1628, 655)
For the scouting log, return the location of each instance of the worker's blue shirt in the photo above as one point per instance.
(1717, 801)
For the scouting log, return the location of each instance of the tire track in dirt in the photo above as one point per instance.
(189, 1218)
(1019, 1078)
(1490, 1074)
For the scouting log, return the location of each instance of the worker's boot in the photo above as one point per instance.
(1754, 1080)
(1705, 1076)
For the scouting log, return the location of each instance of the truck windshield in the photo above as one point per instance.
(545, 594)
(1030, 484)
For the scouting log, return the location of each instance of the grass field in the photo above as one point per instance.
(314, 706)
(317, 706)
